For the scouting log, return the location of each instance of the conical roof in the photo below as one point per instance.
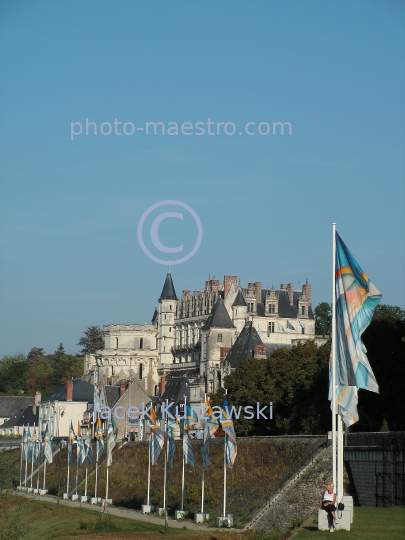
(168, 292)
(243, 348)
(239, 300)
(219, 317)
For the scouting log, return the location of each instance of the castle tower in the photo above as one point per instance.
(166, 314)
(239, 312)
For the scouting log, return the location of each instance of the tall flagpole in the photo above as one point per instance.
(339, 490)
(182, 476)
(224, 514)
(39, 462)
(44, 473)
(333, 396)
(202, 461)
(77, 465)
(22, 445)
(68, 468)
(96, 484)
(26, 459)
(150, 452)
(32, 460)
(165, 476)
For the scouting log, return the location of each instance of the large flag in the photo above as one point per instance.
(280, 328)
(289, 325)
(111, 439)
(24, 444)
(81, 451)
(47, 446)
(157, 438)
(302, 324)
(356, 300)
(190, 417)
(188, 451)
(96, 405)
(29, 445)
(227, 426)
(99, 436)
(210, 427)
(171, 425)
(71, 438)
(89, 450)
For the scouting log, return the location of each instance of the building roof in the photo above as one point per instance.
(12, 405)
(243, 348)
(285, 309)
(239, 300)
(112, 394)
(175, 389)
(168, 292)
(155, 315)
(219, 317)
(82, 391)
(26, 417)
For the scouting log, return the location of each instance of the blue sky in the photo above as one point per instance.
(70, 209)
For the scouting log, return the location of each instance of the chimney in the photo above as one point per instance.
(162, 383)
(223, 354)
(123, 387)
(258, 290)
(283, 287)
(37, 398)
(306, 290)
(228, 280)
(260, 351)
(69, 390)
(290, 290)
(109, 381)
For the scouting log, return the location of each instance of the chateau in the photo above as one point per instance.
(205, 334)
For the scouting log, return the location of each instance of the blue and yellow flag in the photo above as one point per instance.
(47, 446)
(99, 436)
(157, 437)
(356, 300)
(210, 427)
(190, 417)
(171, 425)
(188, 451)
(111, 439)
(71, 438)
(227, 426)
(81, 451)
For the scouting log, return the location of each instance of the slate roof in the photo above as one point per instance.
(175, 389)
(112, 393)
(285, 309)
(168, 292)
(82, 391)
(219, 317)
(154, 318)
(244, 345)
(24, 418)
(239, 300)
(13, 405)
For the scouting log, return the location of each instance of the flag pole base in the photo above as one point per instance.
(224, 521)
(106, 502)
(43, 491)
(162, 512)
(36, 491)
(200, 518)
(84, 498)
(147, 508)
(67, 495)
(30, 490)
(75, 497)
(95, 500)
(180, 514)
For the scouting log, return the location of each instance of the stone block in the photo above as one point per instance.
(106, 502)
(94, 500)
(161, 512)
(84, 498)
(347, 500)
(200, 518)
(224, 521)
(342, 524)
(43, 491)
(147, 508)
(180, 514)
(75, 497)
(67, 495)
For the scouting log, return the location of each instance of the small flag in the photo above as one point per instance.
(157, 438)
(280, 328)
(210, 427)
(171, 425)
(89, 450)
(111, 440)
(81, 452)
(301, 323)
(24, 444)
(188, 451)
(191, 417)
(96, 406)
(71, 438)
(289, 325)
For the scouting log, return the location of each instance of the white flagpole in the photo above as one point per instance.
(95, 487)
(26, 460)
(340, 460)
(334, 355)
(68, 470)
(165, 478)
(202, 491)
(85, 486)
(39, 463)
(150, 452)
(202, 462)
(44, 473)
(106, 485)
(77, 465)
(224, 514)
(22, 445)
(182, 476)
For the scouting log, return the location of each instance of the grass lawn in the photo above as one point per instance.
(370, 523)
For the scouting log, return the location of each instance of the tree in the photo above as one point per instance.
(384, 311)
(323, 319)
(92, 341)
(34, 354)
(13, 371)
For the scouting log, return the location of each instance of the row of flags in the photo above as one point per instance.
(289, 326)
(35, 447)
(211, 425)
(83, 443)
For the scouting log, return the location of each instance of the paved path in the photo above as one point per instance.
(121, 512)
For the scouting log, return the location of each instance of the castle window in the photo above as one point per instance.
(270, 329)
(219, 338)
(211, 386)
(170, 328)
(303, 310)
(116, 343)
(170, 307)
(141, 347)
(140, 371)
(303, 330)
